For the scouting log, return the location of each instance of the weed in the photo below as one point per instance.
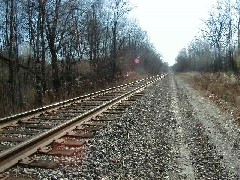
(221, 88)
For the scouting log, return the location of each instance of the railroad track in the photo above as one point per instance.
(62, 129)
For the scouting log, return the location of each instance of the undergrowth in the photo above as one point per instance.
(221, 88)
(84, 86)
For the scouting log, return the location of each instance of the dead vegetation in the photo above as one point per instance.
(220, 88)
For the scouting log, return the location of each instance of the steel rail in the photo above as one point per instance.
(59, 104)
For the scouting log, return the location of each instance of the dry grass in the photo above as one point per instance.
(85, 87)
(220, 88)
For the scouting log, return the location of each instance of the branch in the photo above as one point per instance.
(20, 65)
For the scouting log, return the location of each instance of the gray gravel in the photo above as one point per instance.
(171, 133)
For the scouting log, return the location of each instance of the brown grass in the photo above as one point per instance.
(86, 86)
(222, 89)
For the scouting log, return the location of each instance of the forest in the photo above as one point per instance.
(217, 47)
(52, 50)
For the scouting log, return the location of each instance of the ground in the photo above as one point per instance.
(223, 89)
(170, 133)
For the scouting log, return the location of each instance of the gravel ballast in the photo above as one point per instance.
(170, 133)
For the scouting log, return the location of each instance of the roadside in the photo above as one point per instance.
(221, 89)
(213, 137)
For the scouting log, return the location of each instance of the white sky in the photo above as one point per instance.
(171, 24)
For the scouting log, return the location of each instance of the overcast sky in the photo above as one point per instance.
(171, 24)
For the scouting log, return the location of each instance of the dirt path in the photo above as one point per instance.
(210, 135)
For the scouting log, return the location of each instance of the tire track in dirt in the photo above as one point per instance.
(183, 160)
(208, 161)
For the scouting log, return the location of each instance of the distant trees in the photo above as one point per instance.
(49, 49)
(217, 48)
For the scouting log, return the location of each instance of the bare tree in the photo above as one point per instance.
(43, 43)
(11, 38)
(52, 19)
(119, 8)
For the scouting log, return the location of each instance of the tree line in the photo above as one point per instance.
(54, 49)
(217, 48)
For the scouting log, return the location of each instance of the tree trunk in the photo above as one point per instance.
(114, 48)
(42, 33)
(51, 36)
(56, 81)
(11, 54)
(238, 59)
(232, 63)
(38, 85)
